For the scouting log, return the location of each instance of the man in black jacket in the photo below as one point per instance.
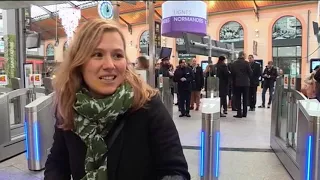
(197, 84)
(254, 82)
(241, 73)
(269, 75)
(184, 77)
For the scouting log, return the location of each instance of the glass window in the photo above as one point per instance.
(144, 39)
(37, 11)
(299, 51)
(287, 51)
(287, 27)
(78, 3)
(50, 50)
(231, 32)
(57, 7)
(274, 51)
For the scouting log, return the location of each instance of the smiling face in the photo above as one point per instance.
(104, 72)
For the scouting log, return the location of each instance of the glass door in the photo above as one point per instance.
(289, 65)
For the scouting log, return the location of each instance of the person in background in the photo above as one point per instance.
(171, 71)
(280, 72)
(197, 84)
(309, 89)
(254, 82)
(223, 74)
(241, 73)
(231, 94)
(184, 77)
(316, 76)
(176, 89)
(110, 123)
(156, 72)
(269, 76)
(142, 63)
(210, 71)
(164, 69)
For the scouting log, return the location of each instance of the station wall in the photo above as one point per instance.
(253, 30)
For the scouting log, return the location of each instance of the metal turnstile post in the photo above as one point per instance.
(308, 145)
(210, 139)
(165, 94)
(39, 127)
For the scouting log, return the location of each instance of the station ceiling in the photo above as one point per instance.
(45, 22)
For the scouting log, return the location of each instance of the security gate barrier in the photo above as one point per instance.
(39, 125)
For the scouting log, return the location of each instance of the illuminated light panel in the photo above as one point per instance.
(217, 159)
(309, 154)
(26, 140)
(36, 140)
(202, 154)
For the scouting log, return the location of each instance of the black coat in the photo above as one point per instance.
(223, 75)
(241, 73)
(198, 81)
(273, 73)
(187, 73)
(256, 74)
(148, 147)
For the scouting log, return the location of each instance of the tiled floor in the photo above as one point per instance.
(250, 132)
(242, 166)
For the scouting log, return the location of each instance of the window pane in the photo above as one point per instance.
(287, 51)
(299, 51)
(57, 7)
(287, 27)
(231, 32)
(37, 11)
(275, 52)
(77, 3)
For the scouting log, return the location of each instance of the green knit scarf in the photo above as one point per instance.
(93, 120)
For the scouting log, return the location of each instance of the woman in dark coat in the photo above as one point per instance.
(223, 74)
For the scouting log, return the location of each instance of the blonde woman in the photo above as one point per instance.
(110, 124)
(309, 89)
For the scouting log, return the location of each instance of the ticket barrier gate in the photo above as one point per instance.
(39, 127)
(308, 150)
(210, 133)
(210, 139)
(15, 83)
(12, 133)
(47, 82)
(165, 93)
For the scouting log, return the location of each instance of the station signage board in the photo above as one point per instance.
(3, 80)
(180, 17)
(35, 79)
(293, 81)
(285, 81)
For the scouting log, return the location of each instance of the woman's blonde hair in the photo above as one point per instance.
(69, 79)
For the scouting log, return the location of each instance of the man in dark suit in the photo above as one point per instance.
(241, 73)
(254, 82)
(269, 75)
(197, 84)
(184, 77)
